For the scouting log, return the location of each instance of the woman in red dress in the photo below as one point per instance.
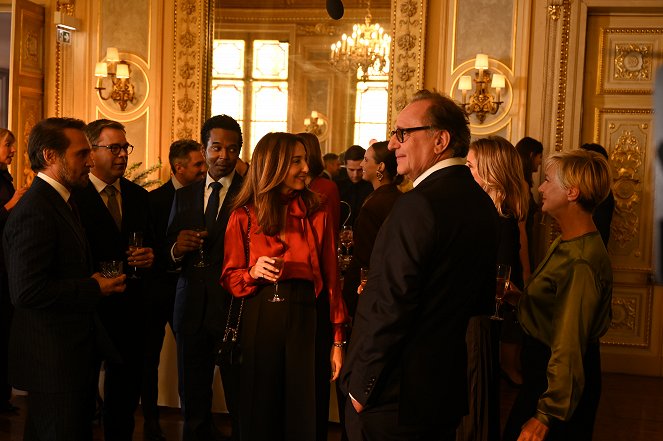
(286, 345)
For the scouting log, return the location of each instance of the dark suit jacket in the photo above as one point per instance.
(56, 331)
(200, 301)
(121, 312)
(432, 267)
(163, 278)
(353, 194)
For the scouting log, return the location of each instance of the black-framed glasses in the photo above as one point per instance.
(116, 148)
(400, 133)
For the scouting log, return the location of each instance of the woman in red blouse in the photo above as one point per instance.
(285, 345)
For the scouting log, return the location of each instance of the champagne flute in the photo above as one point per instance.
(501, 283)
(278, 264)
(200, 260)
(135, 242)
(363, 278)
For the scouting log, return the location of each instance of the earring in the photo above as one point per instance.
(379, 175)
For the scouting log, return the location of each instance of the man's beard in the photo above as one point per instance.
(69, 179)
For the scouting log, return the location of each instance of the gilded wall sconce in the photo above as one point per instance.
(482, 102)
(118, 71)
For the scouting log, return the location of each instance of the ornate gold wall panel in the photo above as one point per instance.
(190, 69)
(628, 60)
(134, 26)
(626, 134)
(408, 47)
(631, 317)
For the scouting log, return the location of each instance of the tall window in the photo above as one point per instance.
(371, 106)
(250, 83)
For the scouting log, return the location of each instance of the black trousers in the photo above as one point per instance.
(580, 426)
(195, 361)
(158, 313)
(59, 417)
(380, 423)
(285, 365)
(123, 319)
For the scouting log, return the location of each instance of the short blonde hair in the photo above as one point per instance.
(585, 170)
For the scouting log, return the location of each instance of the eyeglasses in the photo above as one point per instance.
(116, 148)
(400, 133)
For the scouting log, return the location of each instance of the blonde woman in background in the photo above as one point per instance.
(496, 167)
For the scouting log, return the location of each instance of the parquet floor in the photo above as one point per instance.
(631, 409)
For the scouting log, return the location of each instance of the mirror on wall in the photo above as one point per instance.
(271, 69)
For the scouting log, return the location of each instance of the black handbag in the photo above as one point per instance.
(228, 350)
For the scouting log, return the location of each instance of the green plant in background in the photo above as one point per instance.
(141, 177)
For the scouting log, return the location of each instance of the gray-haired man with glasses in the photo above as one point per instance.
(433, 266)
(112, 207)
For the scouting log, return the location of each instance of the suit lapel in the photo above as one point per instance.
(224, 212)
(63, 209)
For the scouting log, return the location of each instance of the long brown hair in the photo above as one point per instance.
(262, 185)
(500, 168)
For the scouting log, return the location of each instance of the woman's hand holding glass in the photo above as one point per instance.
(266, 268)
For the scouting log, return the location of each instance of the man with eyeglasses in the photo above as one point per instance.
(111, 208)
(200, 216)
(433, 266)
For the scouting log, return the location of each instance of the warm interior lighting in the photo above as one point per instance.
(481, 102)
(119, 73)
(366, 49)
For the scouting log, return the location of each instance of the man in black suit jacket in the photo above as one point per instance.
(187, 165)
(433, 266)
(111, 208)
(352, 189)
(201, 304)
(56, 333)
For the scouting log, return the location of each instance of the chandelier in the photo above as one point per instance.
(366, 51)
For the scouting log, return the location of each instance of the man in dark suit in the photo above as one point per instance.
(351, 187)
(187, 165)
(111, 208)
(56, 333)
(201, 305)
(433, 266)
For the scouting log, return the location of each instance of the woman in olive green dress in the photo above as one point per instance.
(565, 308)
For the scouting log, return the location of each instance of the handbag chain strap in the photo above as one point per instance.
(233, 332)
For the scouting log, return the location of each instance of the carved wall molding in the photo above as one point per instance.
(563, 12)
(408, 45)
(626, 158)
(631, 317)
(190, 67)
(631, 61)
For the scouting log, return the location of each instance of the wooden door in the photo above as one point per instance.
(622, 55)
(26, 78)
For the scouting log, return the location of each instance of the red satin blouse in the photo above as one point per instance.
(308, 250)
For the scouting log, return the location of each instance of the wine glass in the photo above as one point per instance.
(345, 238)
(200, 260)
(111, 268)
(501, 283)
(135, 242)
(278, 264)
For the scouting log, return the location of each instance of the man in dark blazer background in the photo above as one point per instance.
(111, 208)
(187, 165)
(433, 266)
(56, 333)
(201, 305)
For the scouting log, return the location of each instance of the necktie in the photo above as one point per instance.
(74, 209)
(113, 206)
(212, 205)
